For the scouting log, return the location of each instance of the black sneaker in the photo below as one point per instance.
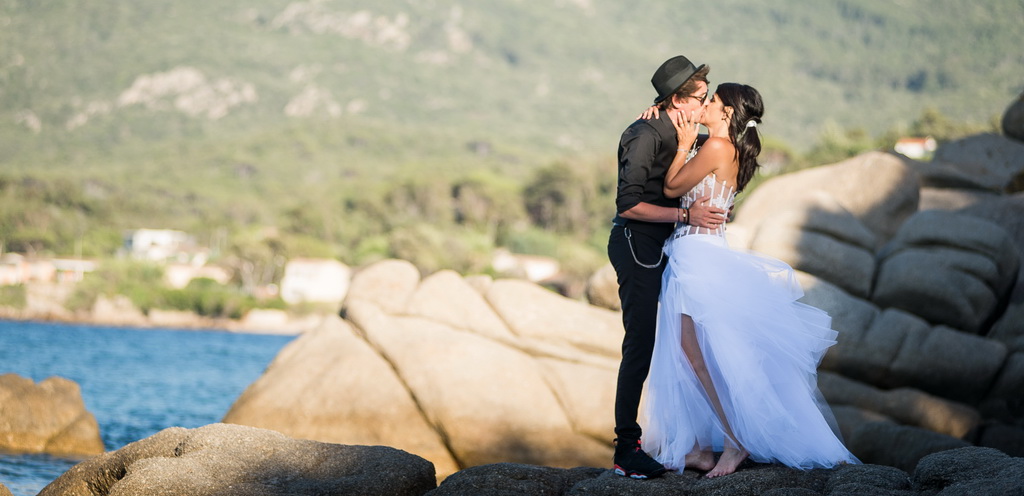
(631, 461)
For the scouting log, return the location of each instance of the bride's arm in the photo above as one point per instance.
(682, 176)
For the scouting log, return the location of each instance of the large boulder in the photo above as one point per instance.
(1005, 402)
(388, 283)
(330, 385)
(1004, 437)
(900, 446)
(4, 491)
(879, 189)
(993, 160)
(901, 350)
(492, 401)
(223, 459)
(433, 298)
(536, 314)
(603, 288)
(1013, 119)
(584, 391)
(952, 199)
(970, 471)
(907, 406)
(949, 269)
(48, 417)
(891, 348)
(1007, 212)
(460, 371)
(824, 239)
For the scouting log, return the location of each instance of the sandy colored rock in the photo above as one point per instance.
(389, 284)
(48, 417)
(224, 459)
(434, 297)
(823, 239)
(534, 312)
(879, 189)
(603, 288)
(118, 310)
(491, 401)
(584, 391)
(329, 385)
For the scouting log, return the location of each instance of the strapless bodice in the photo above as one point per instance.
(722, 194)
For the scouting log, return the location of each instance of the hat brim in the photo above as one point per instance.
(661, 98)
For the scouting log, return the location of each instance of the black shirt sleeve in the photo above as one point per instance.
(638, 148)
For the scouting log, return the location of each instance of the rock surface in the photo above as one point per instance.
(461, 373)
(881, 190)
(966, 471)
(222, 459)
(339, 390)
(1013, 119)
(992, 160)
(48, 417)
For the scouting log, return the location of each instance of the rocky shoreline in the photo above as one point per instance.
(255, 322)
(232, 459)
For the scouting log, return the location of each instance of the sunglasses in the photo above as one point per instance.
(702, 99)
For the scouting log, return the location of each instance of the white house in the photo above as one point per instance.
(18, 269)
(158, 244)
(915, 148)
(533, 268)
(315, 280)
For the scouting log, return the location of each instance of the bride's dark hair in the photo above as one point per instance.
(747, 106)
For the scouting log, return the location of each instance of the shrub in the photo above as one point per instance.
(13, 296)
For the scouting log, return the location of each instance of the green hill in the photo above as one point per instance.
(330, 119)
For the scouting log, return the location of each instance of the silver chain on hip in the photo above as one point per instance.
(629, 241)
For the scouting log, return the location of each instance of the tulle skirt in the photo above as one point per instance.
(761, 348)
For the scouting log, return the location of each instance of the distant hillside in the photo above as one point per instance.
(89, 79)
(324, 117)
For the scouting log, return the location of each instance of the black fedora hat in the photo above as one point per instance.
(672, 75)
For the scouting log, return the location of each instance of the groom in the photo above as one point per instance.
(645, 219)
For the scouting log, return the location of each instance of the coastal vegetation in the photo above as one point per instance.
(432, 133)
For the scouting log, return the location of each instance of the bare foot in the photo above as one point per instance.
(727, 464)
(700, 460)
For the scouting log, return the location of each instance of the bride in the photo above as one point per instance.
(735, 360)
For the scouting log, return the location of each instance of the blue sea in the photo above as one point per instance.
(135, 381)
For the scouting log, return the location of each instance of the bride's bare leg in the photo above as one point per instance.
(734, 454)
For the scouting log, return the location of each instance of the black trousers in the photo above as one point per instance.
(639, 288)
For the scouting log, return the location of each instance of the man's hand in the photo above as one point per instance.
(702, 214)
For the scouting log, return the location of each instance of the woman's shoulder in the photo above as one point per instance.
(717, 144)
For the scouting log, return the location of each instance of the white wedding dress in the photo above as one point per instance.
(761, 348)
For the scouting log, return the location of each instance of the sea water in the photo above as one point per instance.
(135, 381)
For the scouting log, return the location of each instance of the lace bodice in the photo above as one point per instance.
(722, 196)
